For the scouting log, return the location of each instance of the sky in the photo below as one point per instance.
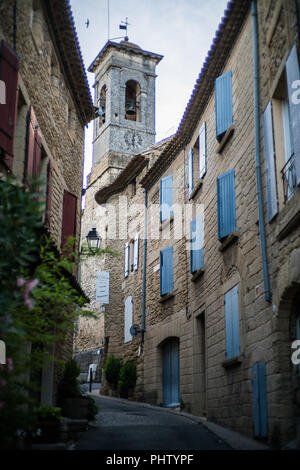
(180, 30)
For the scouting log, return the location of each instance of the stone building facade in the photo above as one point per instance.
(217, 299)
(52, 106)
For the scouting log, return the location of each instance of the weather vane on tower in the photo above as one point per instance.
(124, 25)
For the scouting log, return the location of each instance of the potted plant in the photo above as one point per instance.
(74, 405)
(48, 421)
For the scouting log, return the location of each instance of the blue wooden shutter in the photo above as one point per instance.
(197, 241)
(259, 397)
(166, 270)
(202, 150)
(293, 74)
(226, 204)
(166, 197)
(232, 331)
(223, 103)
(270, 162)
(190, 172)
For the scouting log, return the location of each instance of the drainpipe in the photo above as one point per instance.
(262, 233)
(144, 266)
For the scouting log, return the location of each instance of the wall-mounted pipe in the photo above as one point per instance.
(144, 265)
(268, 295)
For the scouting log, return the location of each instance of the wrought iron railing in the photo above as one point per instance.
(289, 178)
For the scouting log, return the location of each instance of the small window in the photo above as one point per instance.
(166, 198)
(226, 204)
(166, 271)
(197, 242)
(232, 333)
(132, 101)
(223, 104)
(196, 161)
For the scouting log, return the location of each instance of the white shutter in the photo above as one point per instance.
(136, 252)
(202, 150)
(102, 287)
(190, 172)
(126, 260)
(128, 319)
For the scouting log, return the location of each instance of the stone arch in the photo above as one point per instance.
(132, 100)
(286, 307)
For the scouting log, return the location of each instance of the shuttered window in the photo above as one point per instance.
(270, 162)
(226, 204)
(223, 103)
(33, 147)
(232, 333)
(128, 319)
(166, 271)
(197, 240)
(9, 66)
(69, 219)
(202, 150)
(126, 259)
(190, 175)
(293, 83)
(166, 197)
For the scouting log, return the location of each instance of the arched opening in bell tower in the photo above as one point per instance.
(102, 105)
(132, 101)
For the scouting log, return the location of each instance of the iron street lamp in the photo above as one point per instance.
(93, 240)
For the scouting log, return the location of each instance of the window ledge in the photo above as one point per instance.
(165, 297)
(289, 218)
(196, 188)
(166, 222)
(198, 274)
(233, 361)
(229, 241)
(225, 138)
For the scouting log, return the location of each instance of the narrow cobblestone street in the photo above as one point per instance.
(122, 425)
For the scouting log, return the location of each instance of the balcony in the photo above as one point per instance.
(289, 178)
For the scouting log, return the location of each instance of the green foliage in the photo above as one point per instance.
(69, 385)
(47, 413)
(92, 408)
(112, 370)
(127, 377)
(87, 253)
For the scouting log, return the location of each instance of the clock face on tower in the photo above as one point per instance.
(133, 140)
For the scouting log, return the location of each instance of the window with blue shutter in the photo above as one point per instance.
(223, 104)
(190, 172)
(202, 150)
(270, 162)
(232, 333)
(292, 77)
(166, 197)
(166, 271)
(226, 204)
(197, 241)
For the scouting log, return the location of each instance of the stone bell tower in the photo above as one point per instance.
(125, 98)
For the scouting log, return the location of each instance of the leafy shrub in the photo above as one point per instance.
(112, 370)
(69, 385)
(127, 377)
(47, 413)
(92, 408)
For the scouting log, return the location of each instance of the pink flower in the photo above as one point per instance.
(21, 281)
(28, 287)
